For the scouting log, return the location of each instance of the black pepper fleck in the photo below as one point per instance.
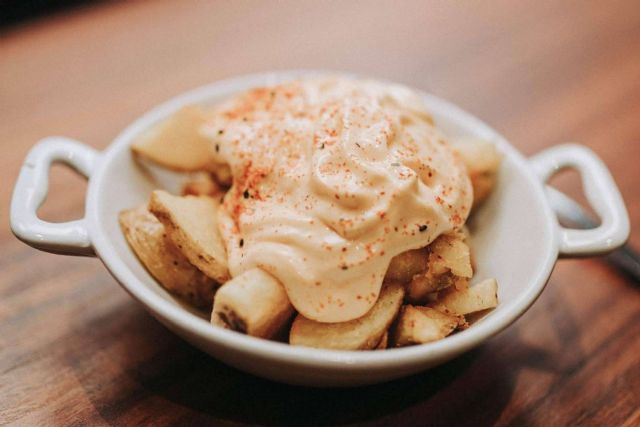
(241, 242)
(245, 194)
(422, 228)
(217, 148)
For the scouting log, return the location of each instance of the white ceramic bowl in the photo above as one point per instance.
(516, 239)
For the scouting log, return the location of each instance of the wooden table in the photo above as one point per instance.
(76, 350)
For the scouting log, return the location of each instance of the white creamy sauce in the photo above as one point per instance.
(332, 178)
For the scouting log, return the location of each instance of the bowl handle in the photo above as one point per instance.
(70, 238)
(602, 193)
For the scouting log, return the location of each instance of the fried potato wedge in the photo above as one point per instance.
(482, 186)
(420, 325)
(149, 241)
(404, 266)
(202, 184)
(449, 263)
(483, 161)
(363, 333)
(450, 252)
(254, 303)
(192, 225)
(222, 174)
(481, 296)
(478, 155)
(176, 143)
(424, 285)
(384, 342)
(465, 235)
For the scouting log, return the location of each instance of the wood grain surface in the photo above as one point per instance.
(75, 349)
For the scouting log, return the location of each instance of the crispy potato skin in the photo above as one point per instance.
(481, 296)
(421, 325)
(149, 241)
(254, 303)
(191, 224)
(445, 262)
(202, 184)
(482, 160)
(450, 252)
(423, 286)
(364, 333)
(176, 143)
(384, 342)
(404, 266)
(483, 184)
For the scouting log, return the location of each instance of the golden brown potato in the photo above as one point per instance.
(483, 184)
(192, 225)
(449, 251)
(478, 297)
(423, 286)
(222, 174)
(176, 143)
(464, 234)
(404, 266)
(420, 325)
(449, 263)
(254, 303)
(483, 161)
(364, 333)
(147, 238)
(384, 342)
(478, 155)
(202, 184)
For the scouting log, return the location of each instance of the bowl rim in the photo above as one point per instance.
(172, 314)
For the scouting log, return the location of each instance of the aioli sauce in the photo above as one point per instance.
(332, 178)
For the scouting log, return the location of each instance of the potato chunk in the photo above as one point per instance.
(192, 225)
(420, 325)
(423, 286)
(449, 263)
(202, 184)
(147, 237)
(449, 251)
(384, 342)
(176, 143)
(404, 266)
(254, 303)
(481, 296)
(363, 333)
(483, 161)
